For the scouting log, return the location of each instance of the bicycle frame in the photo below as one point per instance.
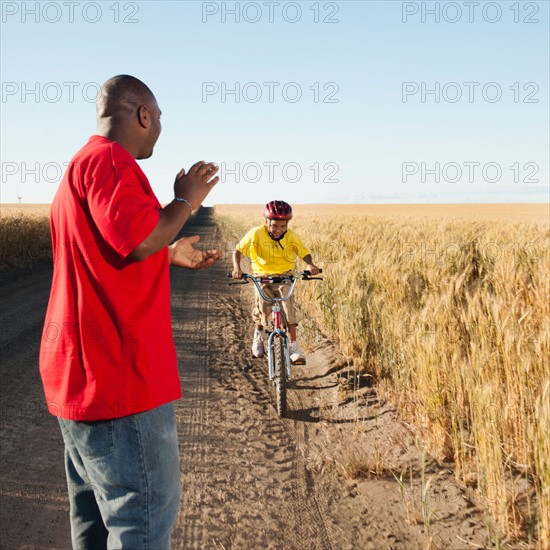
(277, 360)
(278, 330)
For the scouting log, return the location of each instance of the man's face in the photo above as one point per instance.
(153, 130)
(276, 228)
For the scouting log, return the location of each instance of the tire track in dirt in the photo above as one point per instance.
(309, 522)
(315, 533)
(309, 526)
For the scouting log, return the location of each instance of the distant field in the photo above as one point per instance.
(524, 212)
(11, 209)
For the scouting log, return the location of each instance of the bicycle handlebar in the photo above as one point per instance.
(302, 275)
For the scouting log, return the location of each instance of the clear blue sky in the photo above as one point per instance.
(359, 101)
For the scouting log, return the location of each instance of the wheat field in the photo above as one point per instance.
(24, 234)
(447, 306)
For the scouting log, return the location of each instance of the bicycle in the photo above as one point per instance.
(278, 344)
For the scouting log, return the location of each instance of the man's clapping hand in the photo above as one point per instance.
(195, 185)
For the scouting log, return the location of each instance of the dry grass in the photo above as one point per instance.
(454, 315)
(24, 235)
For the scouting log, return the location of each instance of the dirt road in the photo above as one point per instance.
(250, 480)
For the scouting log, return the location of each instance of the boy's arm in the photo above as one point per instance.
(312, 268)
(237, 272)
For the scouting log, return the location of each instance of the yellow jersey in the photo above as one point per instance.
(270, 257)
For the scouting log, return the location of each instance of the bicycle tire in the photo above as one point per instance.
(280, 376)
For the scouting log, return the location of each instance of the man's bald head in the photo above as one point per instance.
(121, 96)
(128, 113)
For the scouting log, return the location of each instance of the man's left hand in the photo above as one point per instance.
(182, 253)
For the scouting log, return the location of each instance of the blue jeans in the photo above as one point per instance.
(124, 480)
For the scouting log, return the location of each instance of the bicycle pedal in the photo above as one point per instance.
(299, 362)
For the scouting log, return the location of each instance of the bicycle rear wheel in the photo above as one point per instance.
(280, 376)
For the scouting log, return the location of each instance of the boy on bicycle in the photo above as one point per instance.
(272, 249)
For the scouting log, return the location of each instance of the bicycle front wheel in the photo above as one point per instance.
(280, 376)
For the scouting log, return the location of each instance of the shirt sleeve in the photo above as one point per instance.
(123, 210)
(298, 246)
(248, 243)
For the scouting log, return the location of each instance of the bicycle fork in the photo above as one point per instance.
(277, 332)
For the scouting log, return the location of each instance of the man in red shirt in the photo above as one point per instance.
(107, 357)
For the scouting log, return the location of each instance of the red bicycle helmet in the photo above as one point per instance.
(278, 210)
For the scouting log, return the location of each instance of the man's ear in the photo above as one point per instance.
(144, 118)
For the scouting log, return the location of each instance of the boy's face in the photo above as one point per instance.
(276, 228)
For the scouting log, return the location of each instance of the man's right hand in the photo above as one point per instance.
(237, 274)
(195, 185)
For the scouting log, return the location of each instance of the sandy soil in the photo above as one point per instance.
(250, 480)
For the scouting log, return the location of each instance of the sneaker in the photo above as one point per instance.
(258, 344)
(296, 354)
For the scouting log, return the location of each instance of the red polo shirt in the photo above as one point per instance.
(107, 349)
